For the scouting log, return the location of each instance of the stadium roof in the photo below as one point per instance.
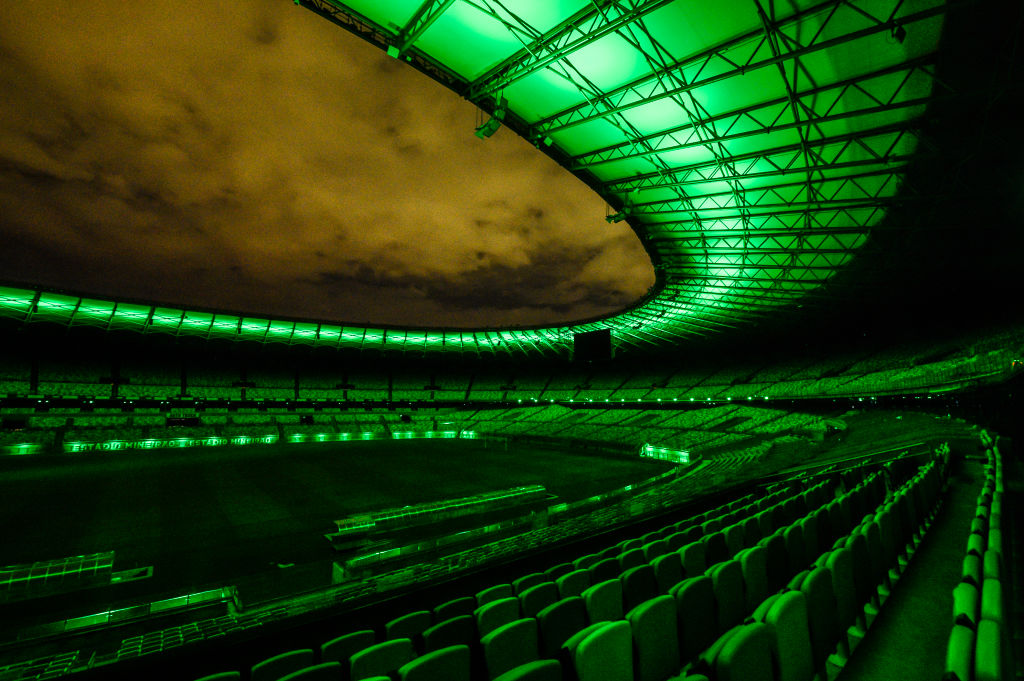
(754, 148)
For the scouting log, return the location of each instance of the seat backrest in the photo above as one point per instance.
(744, 653)
(408, 626)
(638, 585)
(605, 569)
(730, 600)
(863, 584)
(343, 647)
(556, 571)
(786, 614)
(822, 617)
(796, 552)
(695, 603)
(275, 667)
(630, 559)
(495, 614)
(755, 575)
(537, 597)
(527, 581)
(776, 559)
(583, 562)
(572, 583)
(734, 538)
(446, 664)
(668, 570)
(493, 593)
(559, 622)
(992, 600)
(992, 657)
(655, 628)
(654, 549)
(604, 601)
(960, 654)
(567, 653)
(510, 645)
(325, 671)
(455, 607)
(380, 659)
(539, 670)
(715, 548)
(606, 654)
(693, 558)
(458, 630)
(840, 564)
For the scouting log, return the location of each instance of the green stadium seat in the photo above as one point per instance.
(786, 614)
(446, 664)
(458, 630)
(638, 585)
(496, 614)
(603, 570)
(647, 538)
(630, 544)
(668, 570)
(408, 626)
(733, 538)
(654, 549)
(840, 564)
(755, 576)
(822, 619)
(222, 676)
(275, 667)
(960, 654)
(776, 559)
(809, 533)
(343, 647)
(559, 622)
(609, 552)
(538, 670)
(796, 552)
(556, 571)
(695, 603)
(990, 653)
(730, 601)
(858, 546)
(676, 541)
(745, 653)
(631, 559)
(693, 558)
(655, 627)
(965, 604)
(526, 581)
(992, 600)
(976, 544)
(325, 671)
(604, 601)
(494, 593)
(536, 598)
(510, 646)
(992, 565)
(715, 548)
(765, 524)
(970, 570)
(381, 659)
(455, 607)
(606, 654)
(573, 583)
(584, 562)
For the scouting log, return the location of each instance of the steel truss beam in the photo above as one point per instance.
(651, 88)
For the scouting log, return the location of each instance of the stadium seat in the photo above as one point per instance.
(603, 570)
(604, 601)
(631, 559)
(733, 538)
(325, 671)
(809, 534)
(668, 570)
(755, 576)
(584, 562)
(408, 626)
(989, 652)
(527, 581)
(381, 659)
(538, 670)
(496, 614)
(567, 653)
(343, 647)
(786, 614)
(965, 604)
(655, 629)
(765, 524)
(970, 570)
(606, 654)
(455, 607)
(776, 560)
(676, 541)
(822, 619)
(730, 601)
(458, 630)
(556, 571)
(446, 664)
(796, 552)
(275, 667)
(559, 622)
(744, 653)
(510, 646)
(695, 602)
(536, 598)
(655, 549)
(629, 544)
(960, 654)
(693, 559)
(493, 593)
(638, 585)
(992, 600)
(715, 548)
(992, 565)
(839, 563)
(863, 586)
(222, 676)
(572, 583)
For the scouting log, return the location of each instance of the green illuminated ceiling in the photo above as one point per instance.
(751, 146)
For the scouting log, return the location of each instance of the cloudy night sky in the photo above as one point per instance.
(252, 156)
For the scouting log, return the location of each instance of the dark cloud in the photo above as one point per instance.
(254, 156)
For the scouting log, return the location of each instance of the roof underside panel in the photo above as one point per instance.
(752, 145)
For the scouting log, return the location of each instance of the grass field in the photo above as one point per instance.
(204, 517)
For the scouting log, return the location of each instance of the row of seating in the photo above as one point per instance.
(979, 645)
(548, 607)
(807, 629)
